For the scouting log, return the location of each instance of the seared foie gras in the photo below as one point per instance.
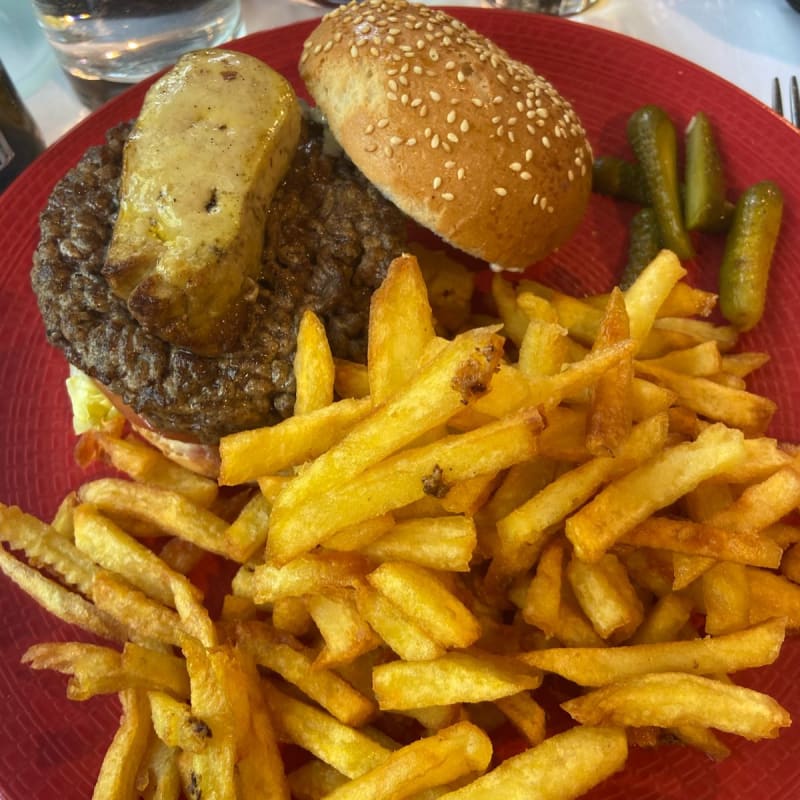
(214, 139)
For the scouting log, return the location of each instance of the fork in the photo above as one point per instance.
(794, 99)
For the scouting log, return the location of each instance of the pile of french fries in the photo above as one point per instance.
(579, 488)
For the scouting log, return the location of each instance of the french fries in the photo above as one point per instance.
(568, 764)
(599, 666)
(693, 700)
(425, 543)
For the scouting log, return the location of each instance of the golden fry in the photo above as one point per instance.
(693, 700)
(454, 678)
(121, 763)
(658, 483)
(567, 764)
(435, 760)
(598, 666)
(313, 366)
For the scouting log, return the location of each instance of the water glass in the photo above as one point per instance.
(561, 8)
(127, 40)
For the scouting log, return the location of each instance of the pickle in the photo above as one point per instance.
(643, 247)
(620, 179)
(749, 246)
(652, 137)
(705, 205)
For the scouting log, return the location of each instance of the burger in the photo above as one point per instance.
(186, 325)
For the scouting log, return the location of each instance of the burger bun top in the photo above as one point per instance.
(467, 141)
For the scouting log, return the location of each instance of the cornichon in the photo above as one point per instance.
(749, 246)
(643, 246)
(705, 206)
(618, 178)
(652, 136)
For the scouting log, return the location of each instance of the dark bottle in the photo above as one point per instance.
(20, 139)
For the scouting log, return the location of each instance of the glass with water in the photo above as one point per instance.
(561, 8)
(128, 40)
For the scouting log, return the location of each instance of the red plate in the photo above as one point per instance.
(50, 747)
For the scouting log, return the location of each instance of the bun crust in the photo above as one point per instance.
(464, 139)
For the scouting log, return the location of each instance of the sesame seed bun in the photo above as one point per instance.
(469, 142)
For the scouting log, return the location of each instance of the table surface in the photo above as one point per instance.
(748, 42)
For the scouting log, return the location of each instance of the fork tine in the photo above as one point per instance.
(777, 97)
(794, 101)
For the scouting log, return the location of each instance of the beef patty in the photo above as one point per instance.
(329, 239)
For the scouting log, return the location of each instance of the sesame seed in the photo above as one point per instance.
(434, 95)
(515, 166)
(447, 196)
(435, 140)
(437, 182)
(464, 126)
(460, 173)
(451, 116)
(500, 191)
(382, 122)
(545, 141)
(451, 137)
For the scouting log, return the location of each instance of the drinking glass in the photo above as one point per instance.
(561, 8)
(128, 40)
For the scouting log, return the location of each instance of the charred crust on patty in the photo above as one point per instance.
(329, 239)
